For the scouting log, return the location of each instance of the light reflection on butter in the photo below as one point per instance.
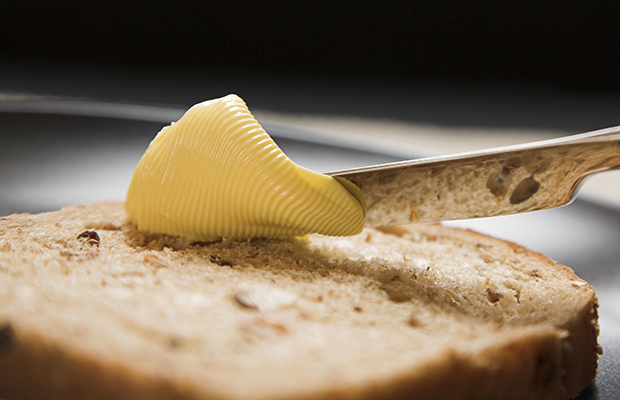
(217, 173)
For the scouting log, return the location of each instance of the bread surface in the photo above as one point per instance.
(91, 308)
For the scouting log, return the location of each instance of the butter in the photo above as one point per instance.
(216, 173)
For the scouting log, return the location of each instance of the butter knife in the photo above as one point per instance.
(501, 181)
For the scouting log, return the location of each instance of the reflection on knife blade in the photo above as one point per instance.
(502, 181)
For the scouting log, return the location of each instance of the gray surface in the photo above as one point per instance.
(48, 161)
(447, 103)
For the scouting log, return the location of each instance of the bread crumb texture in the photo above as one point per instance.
(90, 308)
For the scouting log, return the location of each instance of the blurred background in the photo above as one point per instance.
(542, 64)
(406, 78)
(84, 86)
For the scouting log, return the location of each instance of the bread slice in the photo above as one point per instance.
(90, 308)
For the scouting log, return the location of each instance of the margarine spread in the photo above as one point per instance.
(217, 173)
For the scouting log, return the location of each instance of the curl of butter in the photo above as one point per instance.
(216, 173)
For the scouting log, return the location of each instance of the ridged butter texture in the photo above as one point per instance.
(217, 173)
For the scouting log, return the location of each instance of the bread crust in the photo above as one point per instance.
(44, 353)
(35, 368)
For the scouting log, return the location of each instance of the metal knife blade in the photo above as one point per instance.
(507, 180)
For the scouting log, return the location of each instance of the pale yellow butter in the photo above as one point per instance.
(217, 173)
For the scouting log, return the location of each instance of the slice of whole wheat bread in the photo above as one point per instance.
(90, 308)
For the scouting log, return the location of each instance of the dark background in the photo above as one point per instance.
(572, 45)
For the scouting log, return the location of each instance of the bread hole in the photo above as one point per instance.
(398, 291)
(64, 268)
(67, 254)
(398, 231)
(155, 262)
(499, 182)
(536, 163)
(493, 296)
(414, 321)
(401, 290)
(276, 326)
(515, 286)
(487, 258)
(524, 190)
(261, 329)
(214, 258)
(518, 297)
(78, 255)
(431, 238)
(7, 337)
(175, 342)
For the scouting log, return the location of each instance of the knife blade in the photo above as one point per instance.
(501, 181)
